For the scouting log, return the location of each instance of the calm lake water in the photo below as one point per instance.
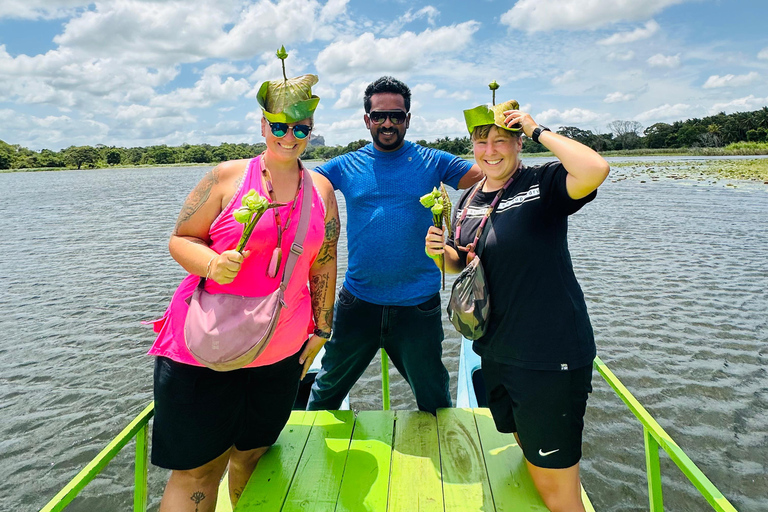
(675, 273)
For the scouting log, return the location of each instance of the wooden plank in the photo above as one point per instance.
(318, 476)
(365, 484)
(275, 471)
(415, 484)
(511, 484)
(465, 480)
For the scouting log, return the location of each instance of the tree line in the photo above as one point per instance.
(709, 132)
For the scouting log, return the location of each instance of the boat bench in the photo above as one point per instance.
(397, 461)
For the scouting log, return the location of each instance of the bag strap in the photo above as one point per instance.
(301, 231)
(472, 248)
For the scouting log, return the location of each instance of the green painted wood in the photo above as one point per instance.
(686, 465)
(465, 480)
(510, 482)
(223, 502)
(653, 471)
(384, 380)
(318, 476)
(365, 484)
(140, 470)
(275, 471)
(415, 484)
(93, 468)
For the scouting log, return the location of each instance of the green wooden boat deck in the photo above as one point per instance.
(397, 461)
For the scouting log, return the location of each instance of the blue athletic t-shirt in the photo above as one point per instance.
(386, 223)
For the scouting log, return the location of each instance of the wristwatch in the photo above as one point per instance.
(322, 334)
(537, 131)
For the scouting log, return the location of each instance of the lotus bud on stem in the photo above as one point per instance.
(440, 206)
(252, 208)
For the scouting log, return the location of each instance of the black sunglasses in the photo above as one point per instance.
(379, 116)
(300, 131)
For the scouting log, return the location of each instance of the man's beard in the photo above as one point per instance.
(388, 147)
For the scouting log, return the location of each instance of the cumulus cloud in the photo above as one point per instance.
(739, 105)
(763, 53)
(716, 81)
(568, 76)
(51, 132)
(367, 54)
(207, 91)
(352, 95)
(663, 113)
(538, 15)
(429, 129)
(638, 34)
(617, 97)
(428, 12)
(664, 61)
(571, 117)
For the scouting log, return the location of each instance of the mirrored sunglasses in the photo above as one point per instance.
(300, 131)
(379, 116)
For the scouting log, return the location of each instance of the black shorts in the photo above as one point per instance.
(201, 413)
(545, 408)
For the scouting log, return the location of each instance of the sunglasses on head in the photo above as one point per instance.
(379, 116)
(300, 131)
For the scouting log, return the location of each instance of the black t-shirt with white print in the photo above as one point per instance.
(538, 317)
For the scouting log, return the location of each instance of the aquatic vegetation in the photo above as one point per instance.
(252, 208)
(440, 205)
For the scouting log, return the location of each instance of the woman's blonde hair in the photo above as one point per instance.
(482, 131)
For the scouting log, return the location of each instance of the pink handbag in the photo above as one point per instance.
(225, 332)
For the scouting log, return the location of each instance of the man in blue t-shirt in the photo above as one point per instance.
(391, 293)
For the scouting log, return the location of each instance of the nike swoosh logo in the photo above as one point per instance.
(544, 454)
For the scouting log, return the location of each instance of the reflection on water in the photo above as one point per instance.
(675, 276)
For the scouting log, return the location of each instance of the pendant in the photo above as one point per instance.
(274, 263)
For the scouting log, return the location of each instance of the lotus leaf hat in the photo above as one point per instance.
(288, 100)
(483, 114)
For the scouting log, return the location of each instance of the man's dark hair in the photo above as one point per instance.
(387, 84)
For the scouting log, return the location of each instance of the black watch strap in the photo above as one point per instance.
(537, 131)
(322, 334)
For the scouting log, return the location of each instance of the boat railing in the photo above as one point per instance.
(137, 428)
(656, 437)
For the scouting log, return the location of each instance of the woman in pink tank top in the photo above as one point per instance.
(208, 421)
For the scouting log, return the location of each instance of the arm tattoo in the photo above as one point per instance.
(318, 290)
(328, 250)
(197, 198)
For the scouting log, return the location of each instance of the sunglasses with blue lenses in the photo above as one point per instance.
(379, 116)
(300, 131)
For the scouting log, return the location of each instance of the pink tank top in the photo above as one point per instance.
(296, 322)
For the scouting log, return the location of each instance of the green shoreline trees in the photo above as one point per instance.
(716, 131)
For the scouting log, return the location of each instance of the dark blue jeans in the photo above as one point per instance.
(412, 337)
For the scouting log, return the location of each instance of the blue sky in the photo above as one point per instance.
(144, 72)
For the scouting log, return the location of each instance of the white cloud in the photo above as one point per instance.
(537, 15)
(352, 95)
(568, 76)
(739, 105)
(617, 97)
(665, 112)
(39, 9)
(571, 117)
(638, 34)
(454, 95)
(763, 53)
(428, 12)
(429, 129)
(621, 56)
(716, 81)
(664, 61)
(367, 54)
(207, 91)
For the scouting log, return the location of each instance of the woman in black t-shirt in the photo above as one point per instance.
(538, 348)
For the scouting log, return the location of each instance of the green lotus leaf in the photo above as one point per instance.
(498, 113)
(292, 97)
